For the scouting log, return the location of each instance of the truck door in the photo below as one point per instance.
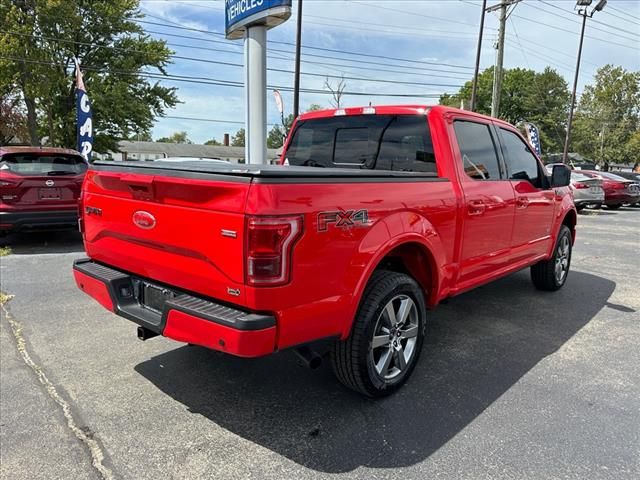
(488, 209)
(535, 201)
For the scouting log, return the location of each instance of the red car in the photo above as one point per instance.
(382, 213)
(618, 190)
(39, 187)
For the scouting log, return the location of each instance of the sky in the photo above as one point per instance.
(417, 49)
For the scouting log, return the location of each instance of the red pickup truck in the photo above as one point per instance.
(378, 214)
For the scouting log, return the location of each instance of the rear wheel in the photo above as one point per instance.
(387, 336)
(613, 207)
(551, 275)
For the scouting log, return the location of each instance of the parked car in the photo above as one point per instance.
(587, 191)
(618, 190)
(39, 187)
(633, 176)
(411, 205)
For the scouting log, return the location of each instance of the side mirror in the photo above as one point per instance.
(561, 176)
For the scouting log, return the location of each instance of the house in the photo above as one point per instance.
(146, 151)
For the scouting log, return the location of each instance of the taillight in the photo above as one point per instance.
(269, 247)
(619, 186)
(80, 214)
(580, 185)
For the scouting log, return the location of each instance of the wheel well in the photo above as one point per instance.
(414, 260)
(570, 220)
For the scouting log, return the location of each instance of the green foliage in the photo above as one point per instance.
(38, 42)
(238, 139)
(541, 98)
(13, 121)
(275, 138)
(277, 134)
(213, 141)
(176, 137)
(607, 121)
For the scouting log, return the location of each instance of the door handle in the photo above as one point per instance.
(522, 202)
(476, 207)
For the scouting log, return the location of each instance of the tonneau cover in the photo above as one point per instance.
(250, 171)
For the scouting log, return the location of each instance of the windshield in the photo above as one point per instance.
(33, 164)
(380, 142)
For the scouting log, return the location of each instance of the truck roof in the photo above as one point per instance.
(42, 150)
(394, 110)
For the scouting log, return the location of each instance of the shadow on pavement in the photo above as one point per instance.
(52, 241)
(479, 345)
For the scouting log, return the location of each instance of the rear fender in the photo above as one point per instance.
(393, 231)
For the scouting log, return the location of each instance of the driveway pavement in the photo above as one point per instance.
(513, 383)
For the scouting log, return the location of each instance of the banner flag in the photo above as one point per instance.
(533, 135)
(83, 116)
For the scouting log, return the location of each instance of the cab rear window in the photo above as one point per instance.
(380, 142)
(38, 165)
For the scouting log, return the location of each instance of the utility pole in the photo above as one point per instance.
(497, 73)
(296, 79)
(582, 5)
(474, 89)
(572, 105)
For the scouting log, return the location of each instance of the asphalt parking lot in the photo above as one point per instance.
(513, 383)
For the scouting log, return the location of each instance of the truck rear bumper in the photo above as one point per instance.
(177, 315)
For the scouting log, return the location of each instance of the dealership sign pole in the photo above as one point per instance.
(250, 19)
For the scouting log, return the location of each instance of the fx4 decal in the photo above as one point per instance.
(342, 219)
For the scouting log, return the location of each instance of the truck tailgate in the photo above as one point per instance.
(182, 231)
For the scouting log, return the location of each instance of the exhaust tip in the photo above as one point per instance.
(308, 357)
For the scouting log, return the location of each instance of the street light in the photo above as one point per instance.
(583, 10)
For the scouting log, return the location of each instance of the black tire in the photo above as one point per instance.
(354, 359)
(543, 274)
(613, 207)
(579, 208)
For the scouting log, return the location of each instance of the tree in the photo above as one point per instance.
(238, 139)
(213, 141)
(607, 119)
(337, 91)
(275, 138)
(314, 107)
(13, 121)
(176, 137)
(37, 46)
(541, 98)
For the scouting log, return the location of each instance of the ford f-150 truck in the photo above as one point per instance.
(376, 215)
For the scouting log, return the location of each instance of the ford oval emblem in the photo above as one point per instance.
(49, 183)
(144, 220)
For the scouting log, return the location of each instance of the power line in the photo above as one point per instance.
(239, 65)
(346, 52)
(227, 83)
(593, 20)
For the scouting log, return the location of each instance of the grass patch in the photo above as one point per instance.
(4, 298)
(4, 251)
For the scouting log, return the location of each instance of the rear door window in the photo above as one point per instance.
(29, 164)
(478, 150)
(380, 142)
(406, 145)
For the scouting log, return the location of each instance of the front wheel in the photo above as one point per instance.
(386, 338)
(551, 275)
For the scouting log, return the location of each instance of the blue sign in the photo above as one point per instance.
(240, 14)
(84, 117)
